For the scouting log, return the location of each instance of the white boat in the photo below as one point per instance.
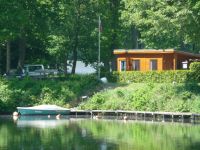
(43, 110)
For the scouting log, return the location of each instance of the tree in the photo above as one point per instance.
(162, 24)
(18, 19)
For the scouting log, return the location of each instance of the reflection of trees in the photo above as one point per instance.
(143, 135)
(100, 135)
(67, 136)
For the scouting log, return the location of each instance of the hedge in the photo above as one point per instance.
(195, 69)
(178, 76)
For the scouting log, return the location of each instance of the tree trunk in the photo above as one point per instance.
(65, 65)
(75, 53)
(8, 57)
(114, 43)
(74, 59)
(76, 40)
(22, 52)
(0, 61)
(193, 48)
(134, 38)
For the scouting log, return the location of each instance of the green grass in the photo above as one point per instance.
(148, 97)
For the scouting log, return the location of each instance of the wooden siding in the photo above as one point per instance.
(168, 63)
(144, 61)
(166, 59)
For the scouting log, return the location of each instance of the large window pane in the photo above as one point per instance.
(153, 65)
(136, 64)
(122, 65)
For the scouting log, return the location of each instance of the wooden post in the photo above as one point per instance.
(136, 116)
(153, 116)
(127, 63)
(192, 118)
(175, 61)
(163, 118)
(91, 115)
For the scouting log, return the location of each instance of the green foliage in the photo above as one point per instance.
(57, 31)
(195, 68)
(178, 76)
(29, 92)
(169, 76)
(163, 24)
(148, 97)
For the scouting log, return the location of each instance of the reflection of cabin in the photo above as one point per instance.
(146, 59)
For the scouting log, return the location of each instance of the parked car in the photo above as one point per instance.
(38, 70)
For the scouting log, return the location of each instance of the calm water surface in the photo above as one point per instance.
(42, 133)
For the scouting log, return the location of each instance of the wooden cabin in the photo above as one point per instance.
(151, 59)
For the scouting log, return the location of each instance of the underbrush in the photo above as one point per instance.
(29, 92)
(148, 97)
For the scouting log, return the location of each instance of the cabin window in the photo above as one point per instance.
(122, 65)
(153, 65)
(136, 65)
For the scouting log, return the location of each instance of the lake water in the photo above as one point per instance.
(43, 133)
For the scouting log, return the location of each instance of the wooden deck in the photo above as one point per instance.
(139, 115)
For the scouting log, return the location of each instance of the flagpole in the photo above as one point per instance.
(99, 49)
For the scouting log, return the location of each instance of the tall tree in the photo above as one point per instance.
(19, 20)
(162, 23)
(73, 25)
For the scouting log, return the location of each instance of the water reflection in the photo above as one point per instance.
(45, 133)
(40, 122)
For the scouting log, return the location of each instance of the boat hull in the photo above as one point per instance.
(24, 111)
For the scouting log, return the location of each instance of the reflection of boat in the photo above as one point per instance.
(43, 110)
(40, 122)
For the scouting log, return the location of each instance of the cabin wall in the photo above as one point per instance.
(165, 60)
(144, 61)
(168, 61)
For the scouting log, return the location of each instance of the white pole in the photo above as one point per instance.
(99, 52)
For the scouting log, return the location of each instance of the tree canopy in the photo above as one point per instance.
(164, 23)
(55, 32)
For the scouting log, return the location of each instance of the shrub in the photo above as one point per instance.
(195, 70)
(29, 92)
(195, 66)
(178, 76)
(148, 97)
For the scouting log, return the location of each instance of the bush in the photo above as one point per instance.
(178, 76)
(29, 92)
(195, 70)
(195, 66)
(148, 97)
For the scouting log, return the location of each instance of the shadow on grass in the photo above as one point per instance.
(194, 146)
(192, 84)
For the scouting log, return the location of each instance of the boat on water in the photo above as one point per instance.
(43, 110)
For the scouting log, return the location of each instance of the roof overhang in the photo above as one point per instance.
(143, 51)
(153, 51)
(188, 54)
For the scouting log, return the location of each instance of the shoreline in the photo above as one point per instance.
(193, 118)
